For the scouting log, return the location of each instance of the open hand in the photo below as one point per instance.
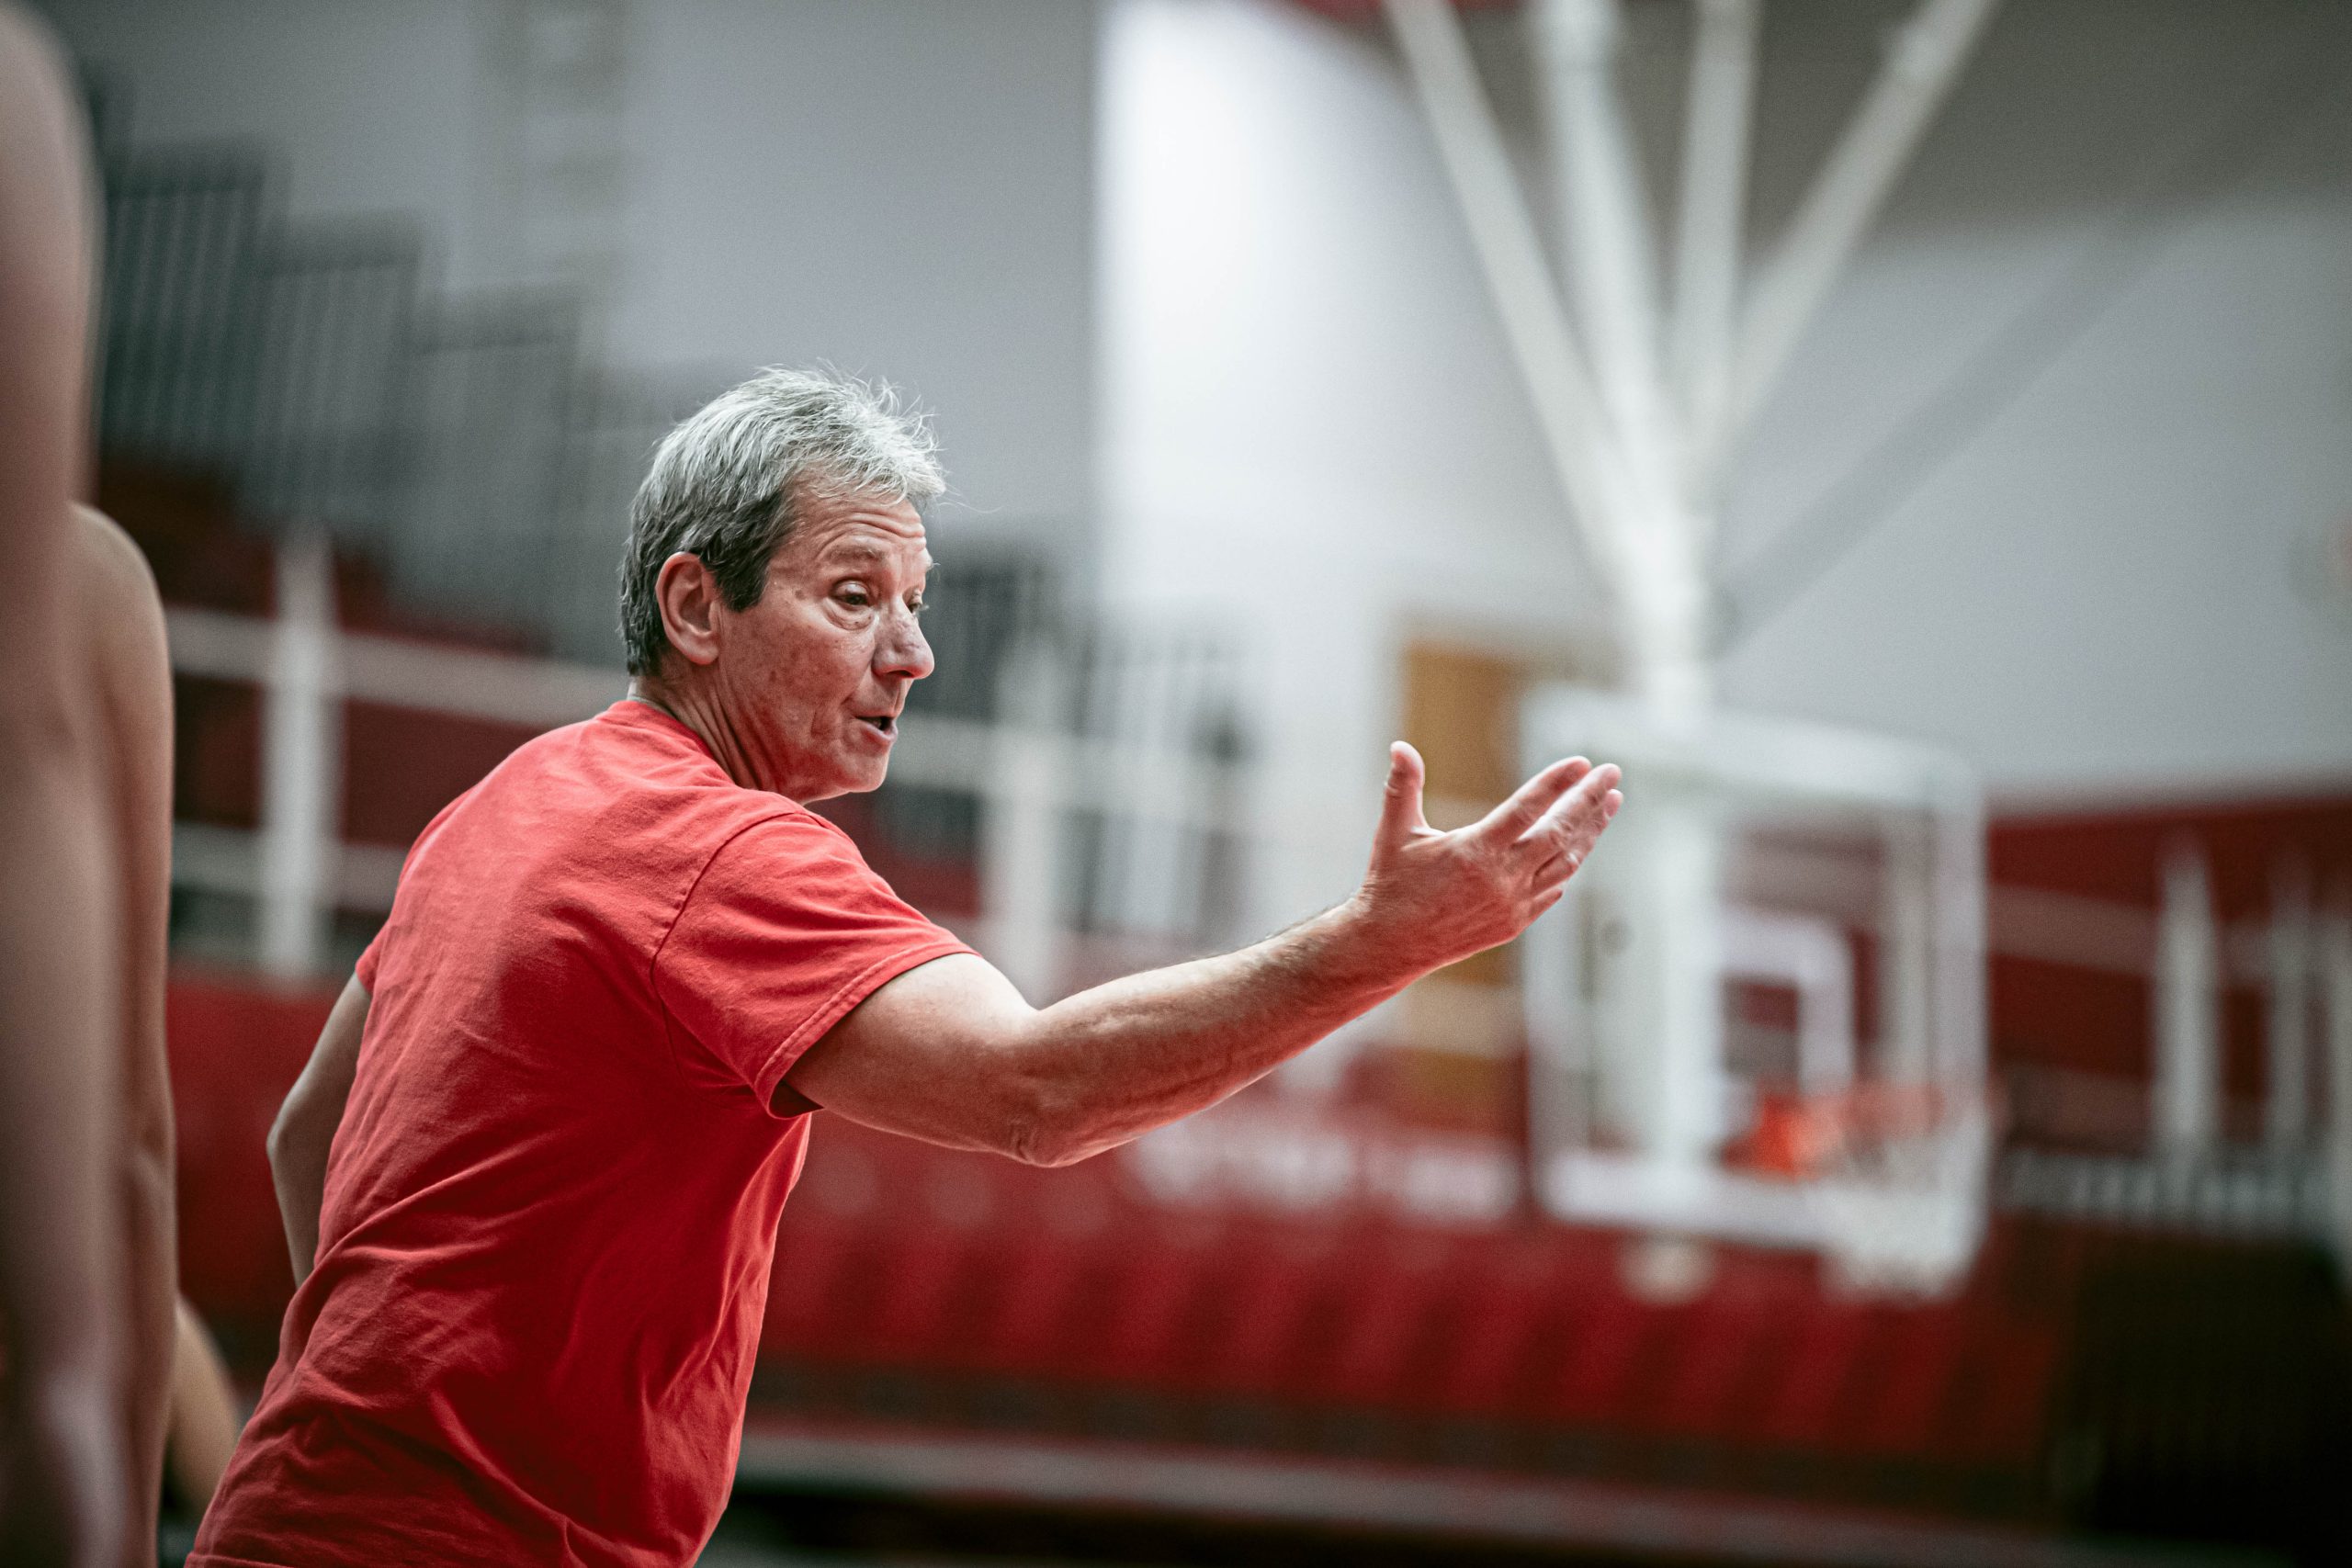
(1436, 897)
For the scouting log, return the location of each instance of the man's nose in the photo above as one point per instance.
(903, 651)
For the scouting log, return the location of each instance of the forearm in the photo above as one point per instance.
(303, 1136)
(949, 1052)
(298, 1142)
(57, 1072)
(1112, 1063)
(149, 1329)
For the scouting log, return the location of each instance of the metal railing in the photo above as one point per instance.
(469, 448)
(1127, 809)
(472, 452)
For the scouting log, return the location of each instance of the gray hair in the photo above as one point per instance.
(727, 483)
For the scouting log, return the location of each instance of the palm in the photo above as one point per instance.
(1448, 894)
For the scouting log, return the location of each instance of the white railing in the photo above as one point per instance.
(1028, 772)
(1031, 774)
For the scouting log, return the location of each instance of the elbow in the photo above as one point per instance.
(286, 1141)
(1052, 1153)
(148, 1178)
(1056, 1154)
(1044, 1128)
(275, 1144)
(148, 1148)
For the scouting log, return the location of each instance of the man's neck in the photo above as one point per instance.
(641, 690)
(717, 738)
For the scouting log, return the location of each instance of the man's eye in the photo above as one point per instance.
(856, 597)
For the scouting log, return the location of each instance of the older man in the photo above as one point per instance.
(621, 970)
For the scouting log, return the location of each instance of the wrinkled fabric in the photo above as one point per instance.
(551, 1205)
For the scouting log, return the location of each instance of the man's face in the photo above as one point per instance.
(811, 679)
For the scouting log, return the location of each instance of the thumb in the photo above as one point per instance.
(1400, 807)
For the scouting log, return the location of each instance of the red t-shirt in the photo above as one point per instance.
(552, 1202)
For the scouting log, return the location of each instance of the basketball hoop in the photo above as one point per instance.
(1829, 866)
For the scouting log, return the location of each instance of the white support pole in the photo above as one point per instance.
(1908, 953)
(2188, 1008)
(2287, 1060)
(1557, 989)
(1604, 222)
(1021, 827)
(1920, 68)
(301, 762)
(1629, 516)
(1957, 1057)
(1670, 1039)
(1610, 259)
(1601, 490)
(1717, 111)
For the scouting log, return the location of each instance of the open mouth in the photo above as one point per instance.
(887, 723)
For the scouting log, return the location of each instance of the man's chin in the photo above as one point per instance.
(850, 770)
(862, 777)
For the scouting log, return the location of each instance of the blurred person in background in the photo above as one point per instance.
(63, 1489)
(89, 1259)
(532, 1174)
(200, 1427)
(119, 621)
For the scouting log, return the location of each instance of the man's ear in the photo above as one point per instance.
(690, 601)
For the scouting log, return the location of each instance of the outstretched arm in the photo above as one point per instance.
(949, 1052)
(304, 1131)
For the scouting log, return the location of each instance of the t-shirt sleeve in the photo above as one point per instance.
(785, 930)
(370, 955)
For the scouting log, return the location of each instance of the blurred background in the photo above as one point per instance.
(1916, 439)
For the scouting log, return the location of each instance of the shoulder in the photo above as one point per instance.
(120, 609)
(789, 863)
(111, 560)
(770, 828)
(655, 765)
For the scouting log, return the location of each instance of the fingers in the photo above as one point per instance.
(1531, 800)
(1400, 807)
(1568, 854)
(1565, 834)
(1582, 801)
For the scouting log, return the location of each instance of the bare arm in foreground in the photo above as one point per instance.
(129, 689)
(304, 1131)
(949, 1052)
(62, 1492)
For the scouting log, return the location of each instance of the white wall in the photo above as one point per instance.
(1309, 419)
(1309, 427)
(2097, 593)
(370, 105)
(901, 187)
(1301, 416)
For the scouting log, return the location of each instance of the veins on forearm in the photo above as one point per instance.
(1154, 1046)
